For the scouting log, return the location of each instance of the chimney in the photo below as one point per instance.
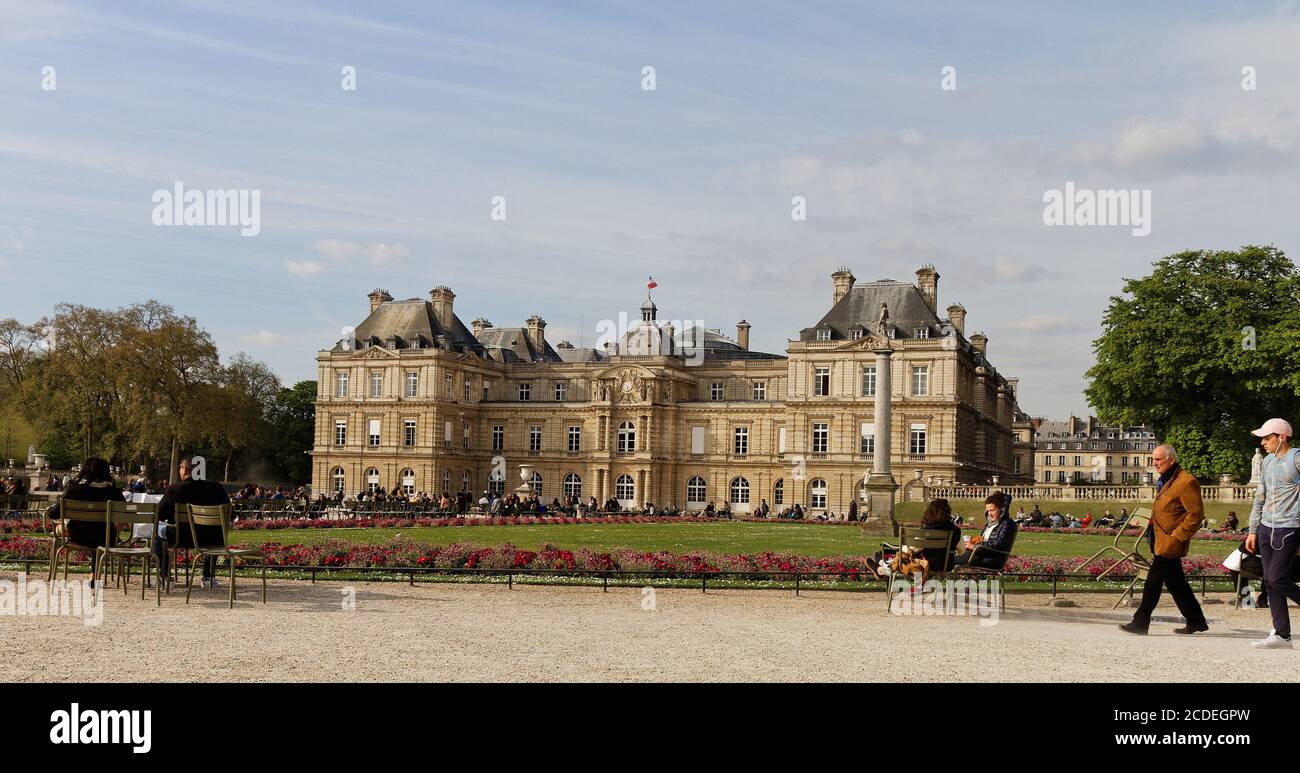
(981, 343)
(742, 334)
(927, 281)
(377, 297)
(1015, 389)
(537, 333)
(441, 297)
(479, 325)
(843, 279)
(669, 339)
(957, 316)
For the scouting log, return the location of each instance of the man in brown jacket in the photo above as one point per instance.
(1176, 517)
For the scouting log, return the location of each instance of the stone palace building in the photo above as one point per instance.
(419, 399)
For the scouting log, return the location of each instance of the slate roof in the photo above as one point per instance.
(861, 306)
(411, 321)
(511, 344)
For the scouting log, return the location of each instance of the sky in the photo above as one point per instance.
(392, 183)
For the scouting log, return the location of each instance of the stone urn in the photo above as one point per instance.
(525, 475)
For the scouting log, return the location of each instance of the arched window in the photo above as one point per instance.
(339, 478)
(739, 491)
(408, 481)
(626, 438)
(464, 481)
(778, 492)
(572, 485)
(624, 489)
(372, 480)
(697, 491)
(817, 494)
(497, 482)
(536, 483)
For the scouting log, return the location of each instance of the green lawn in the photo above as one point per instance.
(736, 537)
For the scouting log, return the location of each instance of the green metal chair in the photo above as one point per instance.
(1142, 517)
(918, 540)
(217, 515)
(127, 550)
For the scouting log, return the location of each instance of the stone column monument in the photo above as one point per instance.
(880, 483)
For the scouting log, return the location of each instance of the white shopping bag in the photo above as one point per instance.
(1233, 562)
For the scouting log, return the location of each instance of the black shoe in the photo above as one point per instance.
(1134, 628)
(1189, 628)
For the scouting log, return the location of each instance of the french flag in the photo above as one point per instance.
(651, 284)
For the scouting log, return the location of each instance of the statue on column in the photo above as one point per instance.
(883, 321)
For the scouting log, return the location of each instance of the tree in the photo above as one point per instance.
(238, 412)
(293, 416)
(1203, 350)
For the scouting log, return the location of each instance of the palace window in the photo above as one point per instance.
(817, 494)
(823, 335)
(626, 440)
(697, 490)
(465, 434)
(412, 384)
(739, 491)
(624, 489)
(377, 384)
(535, 438)
(451, 385)
(536, 483)
(760, 390)
(487, 390)
(920, 380)
(408, 432)
(573, 485)
(715, 391)
(742, 441)
(496, 482)
(868, 441)
(916, 440)
(561, 389)
(498, 437)
(408, 481)
(575, 439)
(820, 438)
(373, 435)
(821, 382)
(525, 390)
(869, 381)
(778, 492)
(339, 479)
(372, 480)
(922, 332)
(341, 384)
(468, 386)
(341, 432)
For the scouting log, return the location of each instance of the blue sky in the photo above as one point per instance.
(391, 185)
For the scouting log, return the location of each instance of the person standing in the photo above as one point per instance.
(1177, 514)
(1274, 524)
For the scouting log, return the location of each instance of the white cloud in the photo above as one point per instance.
(263, 338)
(378, 253)
(304, 269)
(1046, 324)
(1020, 271)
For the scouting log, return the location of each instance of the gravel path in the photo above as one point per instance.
(444, 632)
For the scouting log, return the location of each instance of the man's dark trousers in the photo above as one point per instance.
(1168, 572)
(1277, 547)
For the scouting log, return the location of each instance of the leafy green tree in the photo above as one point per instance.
(293, 416)
(1203, 349)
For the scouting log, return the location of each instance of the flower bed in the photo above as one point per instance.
(405, 552)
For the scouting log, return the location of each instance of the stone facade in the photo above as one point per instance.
(1084, 451)
(658, 415)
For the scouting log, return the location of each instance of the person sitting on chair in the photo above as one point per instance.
(95, 484)
(999, 534)
(189, 491)
(1229, 524)
(938, 516)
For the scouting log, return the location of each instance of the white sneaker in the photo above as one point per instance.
(1273, 642)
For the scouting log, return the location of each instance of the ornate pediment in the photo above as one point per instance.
(867, 343)
(374, 353)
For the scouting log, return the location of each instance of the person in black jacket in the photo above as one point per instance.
(95, 484)
(190, 491)
(938, 516)
(999, 534)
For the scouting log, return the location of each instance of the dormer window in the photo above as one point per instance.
(824, 334)
(857, 333)
(922, 332)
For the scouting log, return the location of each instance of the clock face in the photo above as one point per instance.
(627, 386)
